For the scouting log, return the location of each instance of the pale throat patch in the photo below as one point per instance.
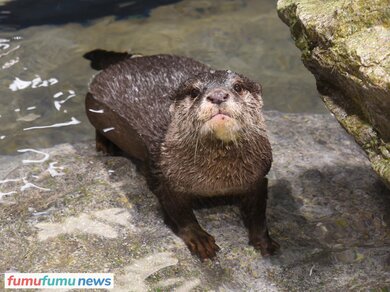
(226, 129)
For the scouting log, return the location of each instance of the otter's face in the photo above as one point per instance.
(218, 104)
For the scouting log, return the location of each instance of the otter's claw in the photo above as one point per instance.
(199, 242)
(266, 246)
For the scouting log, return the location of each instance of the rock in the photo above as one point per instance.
(327, 209)
(346, 45)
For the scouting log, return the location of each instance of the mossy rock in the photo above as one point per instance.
(346, 45)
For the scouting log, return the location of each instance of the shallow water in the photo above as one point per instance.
(43, 77)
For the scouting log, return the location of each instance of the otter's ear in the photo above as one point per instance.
(253, 87)
(183, 90)
(177, 94)
(173, 96)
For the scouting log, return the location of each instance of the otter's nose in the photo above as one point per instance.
(218, 96)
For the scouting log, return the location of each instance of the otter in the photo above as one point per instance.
(199, 132)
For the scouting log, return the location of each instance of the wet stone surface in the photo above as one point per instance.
(78, 211)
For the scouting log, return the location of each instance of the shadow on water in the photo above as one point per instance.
(25, 13)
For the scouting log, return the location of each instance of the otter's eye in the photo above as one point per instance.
(238, 88)
(195, 92)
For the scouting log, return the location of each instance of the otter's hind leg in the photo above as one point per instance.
(181, 218)
(253, 209)
(106, 146)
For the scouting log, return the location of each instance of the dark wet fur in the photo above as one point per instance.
(136, 94)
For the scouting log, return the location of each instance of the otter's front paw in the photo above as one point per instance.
(199, 242)
(266, 245)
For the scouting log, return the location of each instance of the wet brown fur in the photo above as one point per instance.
(147, 100)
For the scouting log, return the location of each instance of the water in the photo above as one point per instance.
(43, 77)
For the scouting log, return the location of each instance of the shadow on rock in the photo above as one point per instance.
(333, 224)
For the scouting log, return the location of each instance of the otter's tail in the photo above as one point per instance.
(101, 59)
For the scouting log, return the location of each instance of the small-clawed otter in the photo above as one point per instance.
(200, 132)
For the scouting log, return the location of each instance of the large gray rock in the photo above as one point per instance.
(79, 211)
(346, 45)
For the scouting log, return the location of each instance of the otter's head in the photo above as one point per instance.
(218, 105)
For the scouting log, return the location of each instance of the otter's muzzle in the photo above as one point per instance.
(218, 96)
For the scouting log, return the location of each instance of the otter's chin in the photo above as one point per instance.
(222, 127)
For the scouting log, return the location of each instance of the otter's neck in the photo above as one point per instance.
(211, 167)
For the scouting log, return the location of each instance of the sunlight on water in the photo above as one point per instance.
(45, 156)
(28, 101)
(73, 121)
(18, 84)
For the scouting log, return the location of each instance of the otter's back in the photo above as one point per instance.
(133, 97)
